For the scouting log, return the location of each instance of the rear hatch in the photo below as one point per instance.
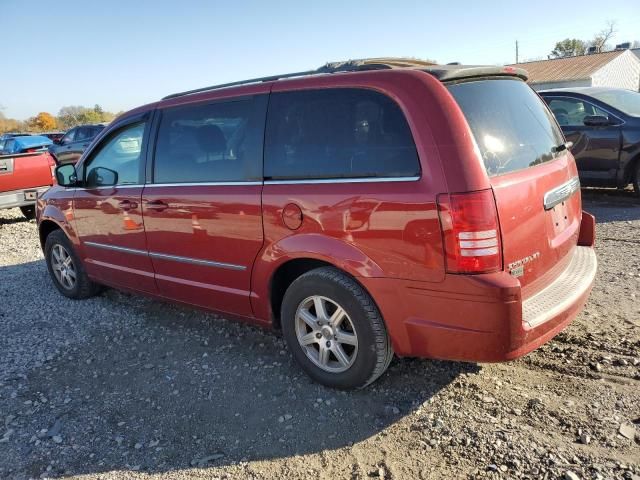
(533, 175)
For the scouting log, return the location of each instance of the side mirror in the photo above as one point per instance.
(101, 177)
(66, 175)
(596, 121)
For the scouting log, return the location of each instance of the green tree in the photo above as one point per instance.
(569, 47)
(73, 115)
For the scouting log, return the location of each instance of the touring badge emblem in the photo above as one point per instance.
(517, 268)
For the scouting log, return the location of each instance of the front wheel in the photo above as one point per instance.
(334, 329)
(636, 178)
(29, 212)
(66, 269)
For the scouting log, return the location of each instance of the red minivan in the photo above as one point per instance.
(366, 208)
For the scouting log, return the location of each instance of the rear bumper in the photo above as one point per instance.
(18, 198)
(490, 321)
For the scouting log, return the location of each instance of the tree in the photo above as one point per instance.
(70, 116)
(603, 36)
(42, 122)
(73, 115)
(569, 47)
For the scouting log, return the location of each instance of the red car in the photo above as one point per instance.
(26, 170)
(366, 208)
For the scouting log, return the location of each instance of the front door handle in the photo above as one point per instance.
(157, 205)
(127, 205)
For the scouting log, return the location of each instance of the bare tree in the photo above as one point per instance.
(602, 37)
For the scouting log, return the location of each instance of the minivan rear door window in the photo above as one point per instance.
(214, 142)
(337, 133)
(512, 127)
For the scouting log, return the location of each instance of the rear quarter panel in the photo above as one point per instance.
(376, 229)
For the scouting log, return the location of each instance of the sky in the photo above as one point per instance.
(125, 53)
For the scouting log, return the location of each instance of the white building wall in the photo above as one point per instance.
(565, 84)
(621, 72)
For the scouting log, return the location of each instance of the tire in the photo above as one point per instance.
(29, 212)
(56, 247)
(358, 346)
(636, 178)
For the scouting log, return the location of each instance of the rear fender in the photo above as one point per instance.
(335, 252)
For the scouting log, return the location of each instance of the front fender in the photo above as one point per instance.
(54, 209)
(331, 250)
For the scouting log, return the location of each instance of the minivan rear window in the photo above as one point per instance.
(337, 133)
(511, 125)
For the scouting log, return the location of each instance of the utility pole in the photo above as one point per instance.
(516, 51)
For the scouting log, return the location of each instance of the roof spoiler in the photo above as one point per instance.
(444, 73)
(449, 73)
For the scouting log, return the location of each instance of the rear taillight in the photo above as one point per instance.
(52, 166)
(471, 232)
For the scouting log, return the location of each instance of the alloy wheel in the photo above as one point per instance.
(326, 334)
(63, 267)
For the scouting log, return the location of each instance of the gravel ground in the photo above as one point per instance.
(122, 386)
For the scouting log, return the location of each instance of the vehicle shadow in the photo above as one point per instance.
(11, 220)
(611, 205)
(159, 388)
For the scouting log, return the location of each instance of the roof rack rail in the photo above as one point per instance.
(331, 67)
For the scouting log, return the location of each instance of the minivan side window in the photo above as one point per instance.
(216, 142)
(337, 133)
(120, 152)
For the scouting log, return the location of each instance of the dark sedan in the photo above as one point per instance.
(604, 126)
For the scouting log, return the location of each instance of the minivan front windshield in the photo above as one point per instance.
(511, 125)
(627, 101)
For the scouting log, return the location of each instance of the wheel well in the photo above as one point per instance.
(284, 276)
(46, 228)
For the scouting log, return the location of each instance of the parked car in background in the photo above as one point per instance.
(54, 136)
(25, 144)
(6, 136)
(70, 147)
(23, 176)
(355, 214)
(604, 126)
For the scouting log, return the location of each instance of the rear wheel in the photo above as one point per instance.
(66, 269)
(29, 212)
(334, 330)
